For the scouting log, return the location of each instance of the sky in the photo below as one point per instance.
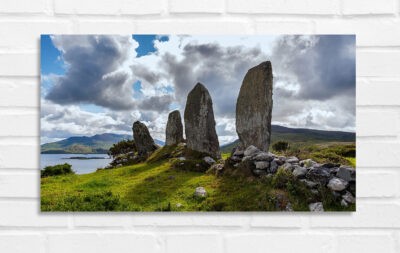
(93, 84)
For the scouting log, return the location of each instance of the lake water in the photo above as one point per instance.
(80, 166)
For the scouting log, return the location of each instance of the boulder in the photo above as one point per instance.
(251, 151)
(346, 173)
(264, 156)
(254, 107)
(200, 123)
(262, 165)
(292, 159)
(316, 207)
(299, 172)
(273, 167)
(200, 192)
(209, 160)
(348, 197)
(337, 184)
(144, 142)
(174, 129)
(318, 175)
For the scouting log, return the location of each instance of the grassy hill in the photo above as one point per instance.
(301, 135)
(159, 186)
(96, 144)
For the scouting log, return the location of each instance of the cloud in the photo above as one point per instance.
(314, 81)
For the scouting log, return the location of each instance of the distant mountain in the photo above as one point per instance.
(96, 144)
(291, 135)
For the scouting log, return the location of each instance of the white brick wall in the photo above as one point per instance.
(375, 227)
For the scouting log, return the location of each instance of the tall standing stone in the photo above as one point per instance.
(200, 123)
(174, 130)
(143, 140)
(254, 107)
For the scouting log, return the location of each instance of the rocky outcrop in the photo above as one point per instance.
(200, 123)
(144, 142)
(337, 179)
(174, 129)
(254, 107)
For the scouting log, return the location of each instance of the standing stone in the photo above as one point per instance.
(144, 143)
(174, 130)
(200, 122)
(254, 107)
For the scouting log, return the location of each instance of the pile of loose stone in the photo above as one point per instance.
(340, 179)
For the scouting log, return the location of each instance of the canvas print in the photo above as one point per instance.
(198, 123)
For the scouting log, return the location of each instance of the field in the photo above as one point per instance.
(157, 186)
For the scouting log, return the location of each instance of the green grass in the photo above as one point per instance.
(157, 186)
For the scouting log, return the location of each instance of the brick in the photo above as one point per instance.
(23, 6)
(19, 124)
(193, 27)
(101, 220)
(19, 93)
(284, 27)
(318, 7)
(202, 6)
(116, 7)
(276, 220)
(377, 184)
(369, 122)
(377, 63)
(21, 243)
(105, 27)
(10, 156)
(361, 242)
(369, 32)
(19, 185)
(278, 242)
(26, 33)
(193, 243)
(19, 64)
(368, 215)
(377, 154)
(378, 92)
(102, 242)
(365, 7)
(27, 214)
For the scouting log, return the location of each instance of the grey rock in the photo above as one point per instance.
(316, 207)
(262, 165)
(209, 160)
(288, 167)
(260, 172)
(236, 158)
(200, 192)
(337, 184)
(292, 159)
(182, 158)
(318, 175)
(246, 158)
(264, 156)
(344, 203)
(310, 184)
(308, 163)
(239, 153)
(200, 123)
(251, 151)
(144, 142)
(289, 207)
(299, 171)
(349, 198)
(279, 160)
(254, 107)
(273, 167)
(346, 173)
(174, 129)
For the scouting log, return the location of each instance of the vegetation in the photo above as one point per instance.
(59, 169)
(122, 147)
(158, 185)
(280, 146)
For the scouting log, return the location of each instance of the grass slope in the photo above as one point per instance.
(159, 187)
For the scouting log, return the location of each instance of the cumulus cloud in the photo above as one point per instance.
(314, 81)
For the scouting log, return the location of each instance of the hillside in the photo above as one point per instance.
(303, 135)
(96, 144)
